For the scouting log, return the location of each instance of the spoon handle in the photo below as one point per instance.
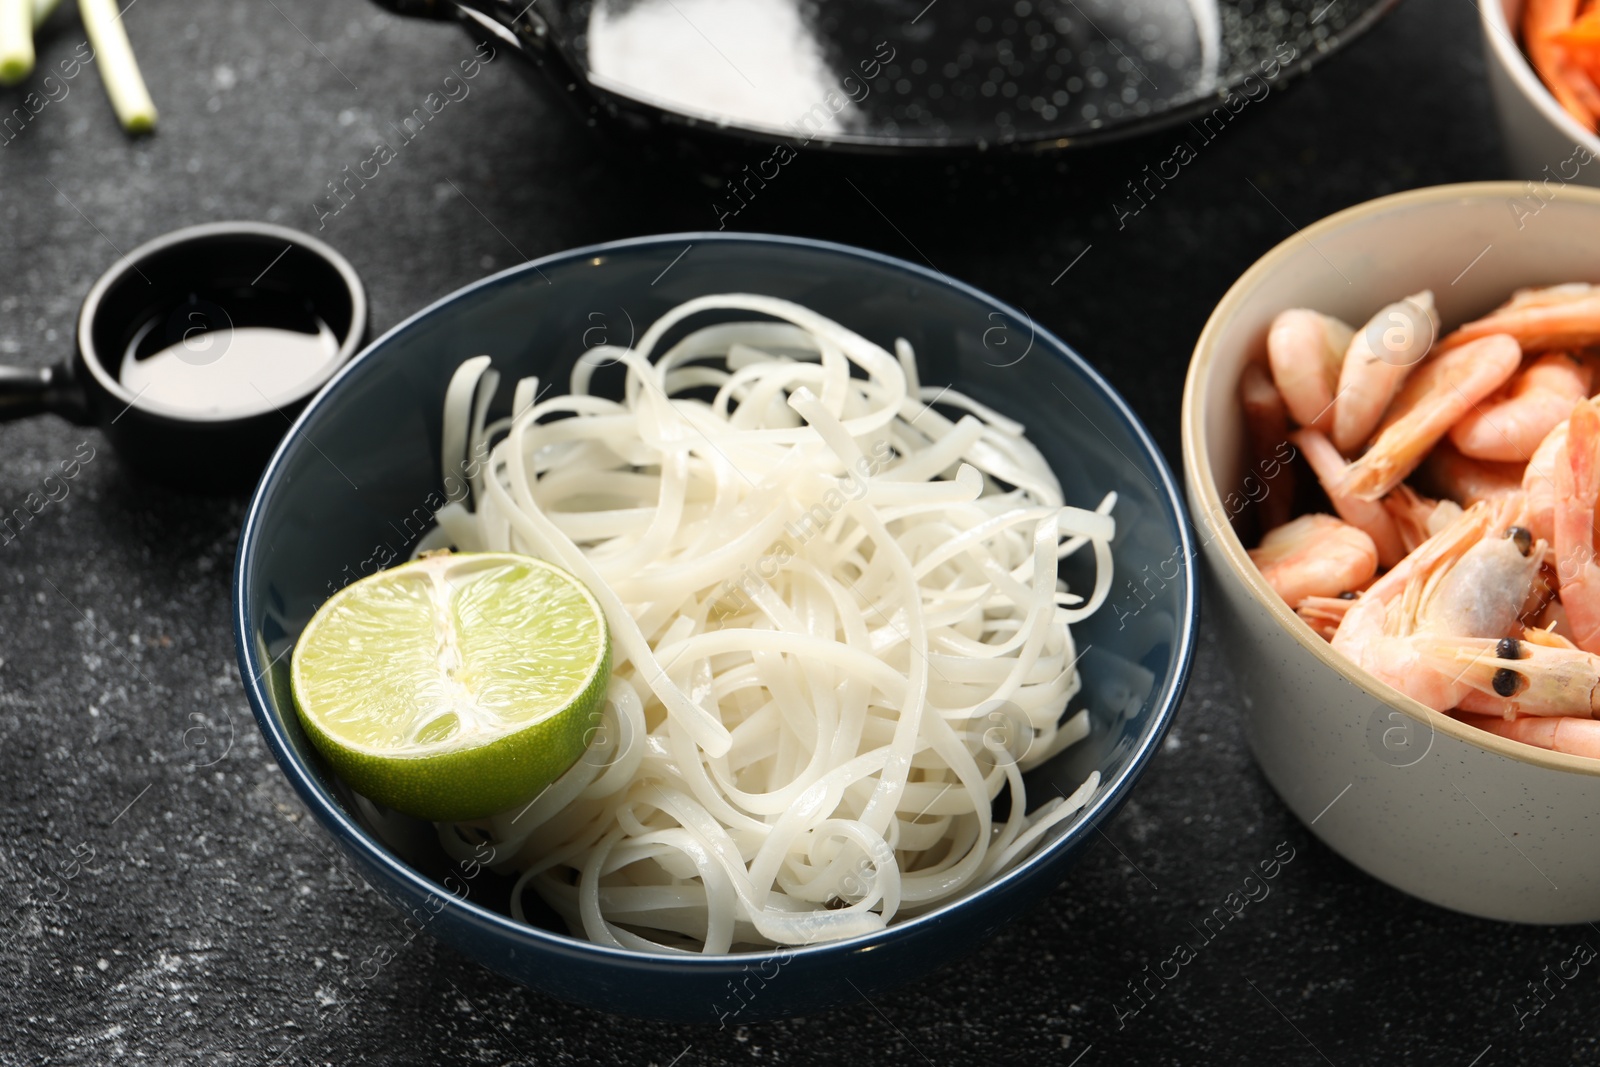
(26, 391)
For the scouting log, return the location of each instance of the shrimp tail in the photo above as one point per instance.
(1324, 613)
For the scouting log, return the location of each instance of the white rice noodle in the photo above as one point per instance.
(839, 634)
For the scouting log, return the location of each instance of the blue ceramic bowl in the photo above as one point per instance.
(347, 492)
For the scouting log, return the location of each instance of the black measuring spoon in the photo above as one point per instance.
(196, 349)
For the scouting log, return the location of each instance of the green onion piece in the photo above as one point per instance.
(114, 55)
(16, 40)
(43, 9)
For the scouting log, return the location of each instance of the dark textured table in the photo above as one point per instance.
(164, 897)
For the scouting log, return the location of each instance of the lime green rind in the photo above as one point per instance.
(454, 782)
(503, 774)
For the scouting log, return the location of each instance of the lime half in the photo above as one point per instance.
(455, 686)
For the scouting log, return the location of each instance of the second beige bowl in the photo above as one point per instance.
(1434, 807)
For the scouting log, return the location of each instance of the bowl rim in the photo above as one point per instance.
(1204, 495)
(331, 815)
(102, 366)
(1502, 42)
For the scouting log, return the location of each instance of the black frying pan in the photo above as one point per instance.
(913, 75)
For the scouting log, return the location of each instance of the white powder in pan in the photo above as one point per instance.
(751, 62)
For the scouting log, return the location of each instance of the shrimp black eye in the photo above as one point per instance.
(1522, 537)
(1347, 595)
(1508, 648)
(1507, 682)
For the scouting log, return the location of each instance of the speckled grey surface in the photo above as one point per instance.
(163, 898)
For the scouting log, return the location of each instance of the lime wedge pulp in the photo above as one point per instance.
(455, 686)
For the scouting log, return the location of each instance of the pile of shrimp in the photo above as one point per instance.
(1459, 565)
(1562, 39)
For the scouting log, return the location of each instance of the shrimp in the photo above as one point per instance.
(1306, 349)
(1576, 490)
(1552, 621)
(1560, 317)
(1549, 296)
(1543, 619)
(1416, 517)
(1508, 677)
(1315, 556)
(1541, 397)
(1543, 21)
(1581, 41)
(1266, 421)
(1437, 397)
(1539, 478)
(1539, 481)
(1547, 639)
(1368, 515)
(1467, 481)
(1324, 613)
(1462, 583)
(1369, 379)
(1561, 733)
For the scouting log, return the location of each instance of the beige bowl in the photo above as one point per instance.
(1543, 143)
(1444, 811)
